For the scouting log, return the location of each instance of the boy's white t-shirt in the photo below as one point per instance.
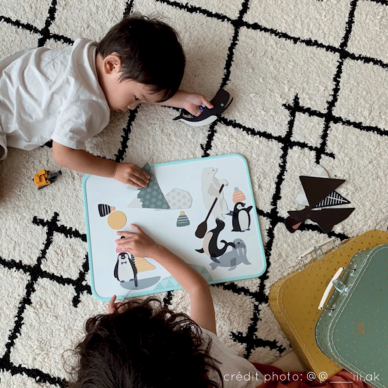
(51, 94)
(236, 371)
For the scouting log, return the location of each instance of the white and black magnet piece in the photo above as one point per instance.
(220, 103)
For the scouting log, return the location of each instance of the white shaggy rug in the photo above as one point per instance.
(310, 85)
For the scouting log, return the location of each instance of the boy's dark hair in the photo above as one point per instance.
(150, 52)
(141, 345)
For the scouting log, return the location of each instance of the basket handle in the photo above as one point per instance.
(330, 287)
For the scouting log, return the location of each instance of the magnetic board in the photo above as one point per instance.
(190, 188)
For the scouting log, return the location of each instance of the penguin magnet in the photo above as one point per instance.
(220, 102)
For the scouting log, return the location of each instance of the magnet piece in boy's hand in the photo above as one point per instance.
(220, 102)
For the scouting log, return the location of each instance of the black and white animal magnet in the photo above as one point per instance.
(234, 257)
(241, 218)
(210, 245)
(125, 268)
(220, 102)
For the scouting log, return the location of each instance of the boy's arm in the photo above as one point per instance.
(202, 308)
(189, 101)
(82, 161)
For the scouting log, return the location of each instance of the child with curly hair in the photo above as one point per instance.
(141, 343)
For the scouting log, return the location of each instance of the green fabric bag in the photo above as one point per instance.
(352, 329)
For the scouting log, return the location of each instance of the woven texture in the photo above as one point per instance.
(309, 80)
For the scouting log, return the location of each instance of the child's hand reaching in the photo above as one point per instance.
(112, 306)
(139, 244)
(131, 174)
(193, 102)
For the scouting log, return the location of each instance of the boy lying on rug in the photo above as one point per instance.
(141, 343)
(66, 94)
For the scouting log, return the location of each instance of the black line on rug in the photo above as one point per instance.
(210, 137)
(294, 39)
(18, 265)
(35, 30)
(367, 60)
(340, 120)
(227, 70)
(119, 157)
(26, 300)
(269, 136)
(50, 19)
(249, 338)
(167, 300)
(242, 23)
(80, 284)
(66, 231)
(229, 59)
(39, 377)
(383, 2)
(258, 342)
(236, 289)
(29, 269)
(315, 44)
(18, 24)
(36, 272)
(194, 9)
(128, 8)
(61, 38)
(281, 35)
(337, 80)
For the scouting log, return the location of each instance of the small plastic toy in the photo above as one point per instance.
(221, 101)
(44, 178)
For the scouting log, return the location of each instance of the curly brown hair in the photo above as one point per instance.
(143, 344)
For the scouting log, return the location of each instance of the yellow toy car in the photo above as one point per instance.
(44, 178)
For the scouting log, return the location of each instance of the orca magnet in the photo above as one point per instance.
(220, 102)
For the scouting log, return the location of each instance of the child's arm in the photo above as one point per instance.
(82, 161)
(189, 101)
(202, 308)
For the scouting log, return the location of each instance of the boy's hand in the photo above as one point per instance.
(139, 244)
(112, 306)
(193, 101)
(131, 174)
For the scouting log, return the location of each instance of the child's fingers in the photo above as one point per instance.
(137, 228)
(197, 112)
(207, 103)
(139, 172)
(111, 305)
(120, 244)
(132, 183)
(124, 233)
(143, 175)
(137, 182)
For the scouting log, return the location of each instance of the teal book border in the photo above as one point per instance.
(159, 290)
